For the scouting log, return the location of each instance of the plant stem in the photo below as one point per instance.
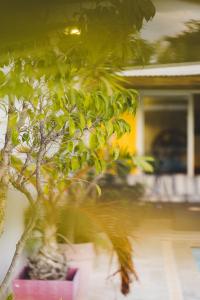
(18, 250)
(3, 197)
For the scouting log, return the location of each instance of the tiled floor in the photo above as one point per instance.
(165, 264)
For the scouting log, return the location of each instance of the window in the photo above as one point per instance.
(165, 133)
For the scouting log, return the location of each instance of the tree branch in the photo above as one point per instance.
(20, 175)
(23, 190)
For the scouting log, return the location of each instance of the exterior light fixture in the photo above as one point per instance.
(72, 31)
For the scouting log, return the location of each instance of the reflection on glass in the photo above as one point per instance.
(174, 32)
(166, 134)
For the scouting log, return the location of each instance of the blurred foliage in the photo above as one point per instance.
(124, 163)
(184, 47)
(41, 17)
(181, 48)
(102, 31)
(114, 184)
(124, 193)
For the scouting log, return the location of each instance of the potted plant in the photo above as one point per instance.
(61, 108)
(48, 144)
(82, 223)
(51, 137)
(66, 289)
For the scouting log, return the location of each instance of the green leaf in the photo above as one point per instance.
(25, 89)
(84, 156)
(98, 166)
(75, 165)
(13, 120)
(15, 137)
(82, 121)
(93, 141)
(98, 189)
(144, 162)
(89, 123)
(25, 137)
(86, 101)
(116, 153)
(41, 116)
(101, 139)
(62, 185)
(72, 127)
(70, 146)
(46, 189)
(109, 127)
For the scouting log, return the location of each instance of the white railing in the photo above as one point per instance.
(168, 188)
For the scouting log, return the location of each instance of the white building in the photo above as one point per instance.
(168, 128)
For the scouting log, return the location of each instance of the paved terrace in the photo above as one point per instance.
(164, 240)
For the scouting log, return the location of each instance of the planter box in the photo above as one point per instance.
(26, 289)
(81, 256)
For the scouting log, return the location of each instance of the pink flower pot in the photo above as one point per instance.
(81, 256)
(26, 289)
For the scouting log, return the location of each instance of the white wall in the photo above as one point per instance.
(16, 205)
(13, 228)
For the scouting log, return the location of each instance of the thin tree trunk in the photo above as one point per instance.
(19, 248)
(3, 197)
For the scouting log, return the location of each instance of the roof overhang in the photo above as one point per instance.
(184, 76)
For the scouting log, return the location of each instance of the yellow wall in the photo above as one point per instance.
(128, 141)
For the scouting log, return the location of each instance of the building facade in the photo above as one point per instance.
(167, 127)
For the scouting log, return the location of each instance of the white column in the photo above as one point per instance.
(140, 128)
(190, 137)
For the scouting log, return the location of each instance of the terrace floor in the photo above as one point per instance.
(165, 240)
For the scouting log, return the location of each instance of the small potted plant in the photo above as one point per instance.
(47, 273)
(63, 288)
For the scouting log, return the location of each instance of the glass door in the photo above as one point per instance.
(165, 132)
